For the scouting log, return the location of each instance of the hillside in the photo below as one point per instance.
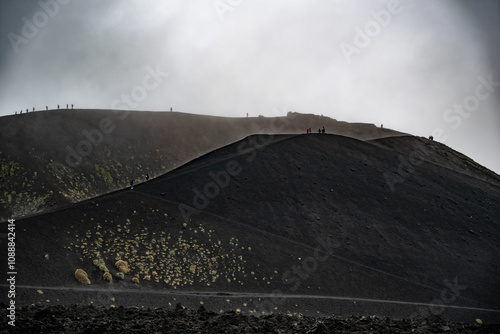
(295, 224)
(53, 158)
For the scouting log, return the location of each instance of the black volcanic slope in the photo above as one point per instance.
(52, 158)
(307, 224)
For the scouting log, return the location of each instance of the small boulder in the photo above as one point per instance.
(81, 276)
(107, 276)
(122, 266)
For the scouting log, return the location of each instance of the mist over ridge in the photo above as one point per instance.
(412, 66)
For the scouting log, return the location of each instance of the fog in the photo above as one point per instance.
(423, 67)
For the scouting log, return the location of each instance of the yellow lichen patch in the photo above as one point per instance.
(135, 280)
(99, 263)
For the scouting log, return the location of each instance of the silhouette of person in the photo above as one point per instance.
(26, 110)
(67, 106)
(307, 130)
(381, 126)
(33, 108)
(319, 130)
(21, 112)
(57, 106)
(71, 105)
(323, 130)
(16, 112)
(431, 138)
(147, 177)
(132, 184)
(170, 109)
(46, 107)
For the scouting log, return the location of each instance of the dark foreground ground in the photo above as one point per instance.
(60, 319)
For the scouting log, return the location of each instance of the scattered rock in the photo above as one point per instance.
(107, 277)
(122, 266)
(89, 319)
(81, 276)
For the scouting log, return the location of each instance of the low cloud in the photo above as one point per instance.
(236, 57)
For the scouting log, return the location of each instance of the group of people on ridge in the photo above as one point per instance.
(309, 130)
(46, 108)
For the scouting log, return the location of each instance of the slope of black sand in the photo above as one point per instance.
(435, 224)
(59, 319)
(306, 225)
(111, 147)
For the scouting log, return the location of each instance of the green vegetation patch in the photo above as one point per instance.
(7, 169)
(104, 173)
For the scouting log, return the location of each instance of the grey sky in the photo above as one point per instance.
(232, 57)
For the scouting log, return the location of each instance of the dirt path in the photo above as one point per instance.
(227, 294)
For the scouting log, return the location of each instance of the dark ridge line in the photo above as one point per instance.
(288, 137)
(166, 175)
(155, 180)
(497, 184)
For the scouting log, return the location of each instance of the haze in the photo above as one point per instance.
(407, 65)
